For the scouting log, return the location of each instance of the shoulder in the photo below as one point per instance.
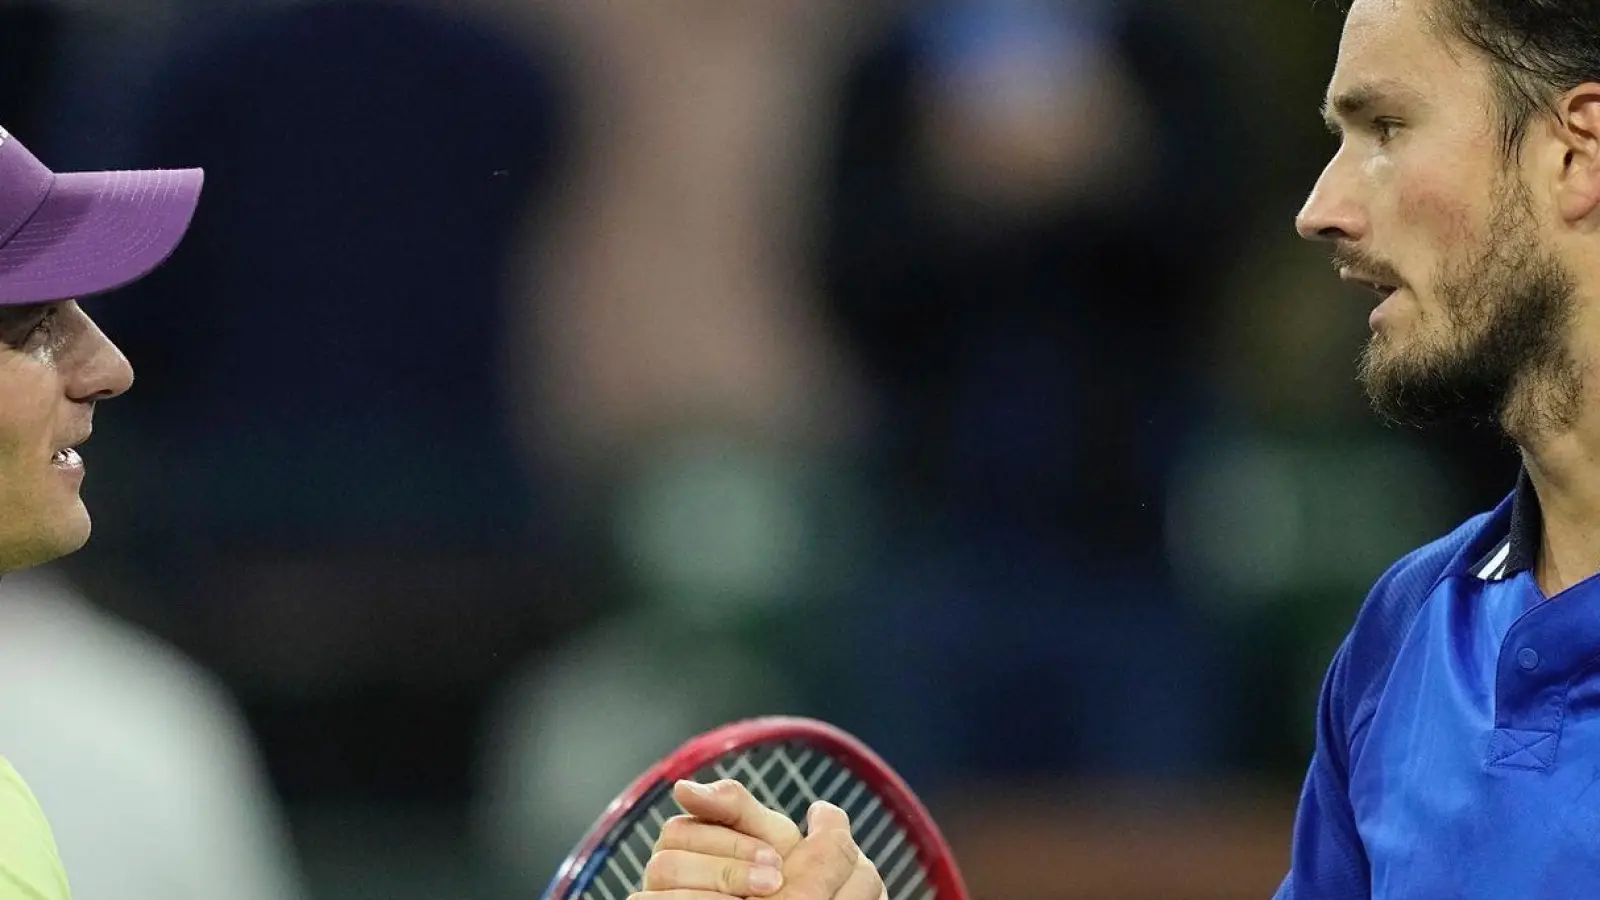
(1400, 593)
(1391, 609)
(28, 855)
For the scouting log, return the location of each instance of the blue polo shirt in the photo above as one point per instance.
(1458, 731)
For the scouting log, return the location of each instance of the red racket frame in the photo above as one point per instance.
(696, 753)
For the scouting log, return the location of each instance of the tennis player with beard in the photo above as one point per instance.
(62, 237)
(1458, 732)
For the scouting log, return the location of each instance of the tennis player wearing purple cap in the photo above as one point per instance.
(62, 237)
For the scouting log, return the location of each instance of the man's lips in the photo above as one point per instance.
(67, 453)
(1380, 287)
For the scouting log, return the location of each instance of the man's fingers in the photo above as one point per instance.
(824, 863)
(696, 836)
(679, 870)
(682, 895)
(730, 803)
(696, 859)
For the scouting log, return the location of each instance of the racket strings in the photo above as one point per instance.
(788, 778)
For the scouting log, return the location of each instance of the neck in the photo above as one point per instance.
(1570, 516)
(1565, 471)
(1555, 419)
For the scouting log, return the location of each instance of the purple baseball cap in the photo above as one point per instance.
(81, 233)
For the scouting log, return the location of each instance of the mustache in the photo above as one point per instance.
(1365, 264)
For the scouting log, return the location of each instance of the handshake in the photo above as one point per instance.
(730, 847)
(743, 789)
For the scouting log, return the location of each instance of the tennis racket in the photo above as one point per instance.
(787, 763)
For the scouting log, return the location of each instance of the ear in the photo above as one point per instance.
(1577, 133)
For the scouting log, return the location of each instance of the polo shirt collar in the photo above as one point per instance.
(1518, 550)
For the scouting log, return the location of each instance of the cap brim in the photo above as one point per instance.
(98, 231)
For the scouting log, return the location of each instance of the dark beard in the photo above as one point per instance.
(1504, 359)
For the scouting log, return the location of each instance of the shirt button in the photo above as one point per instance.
(1528, 658)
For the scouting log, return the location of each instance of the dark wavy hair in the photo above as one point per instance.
(1539, 49)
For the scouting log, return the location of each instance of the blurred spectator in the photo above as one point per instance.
(328, 493)
(1028, 206)
(671, 296)
(327, 355)
(102, 55)
(149, 773)
(680, 383)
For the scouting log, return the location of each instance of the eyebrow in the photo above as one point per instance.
(1352, 102)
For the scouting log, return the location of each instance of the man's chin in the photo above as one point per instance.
(1421, 399)
(1399, 391)
(75, 532)
(64, 537)
(1407, 414)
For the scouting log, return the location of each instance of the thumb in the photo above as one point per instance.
(823, 816)
(825, 861)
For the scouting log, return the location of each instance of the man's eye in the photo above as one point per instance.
(44, 327)
(29, 326)
(1386, 129)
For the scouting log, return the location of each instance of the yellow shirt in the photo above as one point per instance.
(30, 866)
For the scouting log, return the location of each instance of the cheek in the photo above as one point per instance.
(1438, 220)
(27, 423)
(1436, 237)
(1436, 217)
(21, 489)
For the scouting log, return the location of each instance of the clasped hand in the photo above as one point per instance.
(729, 847)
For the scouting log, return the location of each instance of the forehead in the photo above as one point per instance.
(1397, 43)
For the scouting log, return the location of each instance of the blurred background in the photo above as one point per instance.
(543, 383)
